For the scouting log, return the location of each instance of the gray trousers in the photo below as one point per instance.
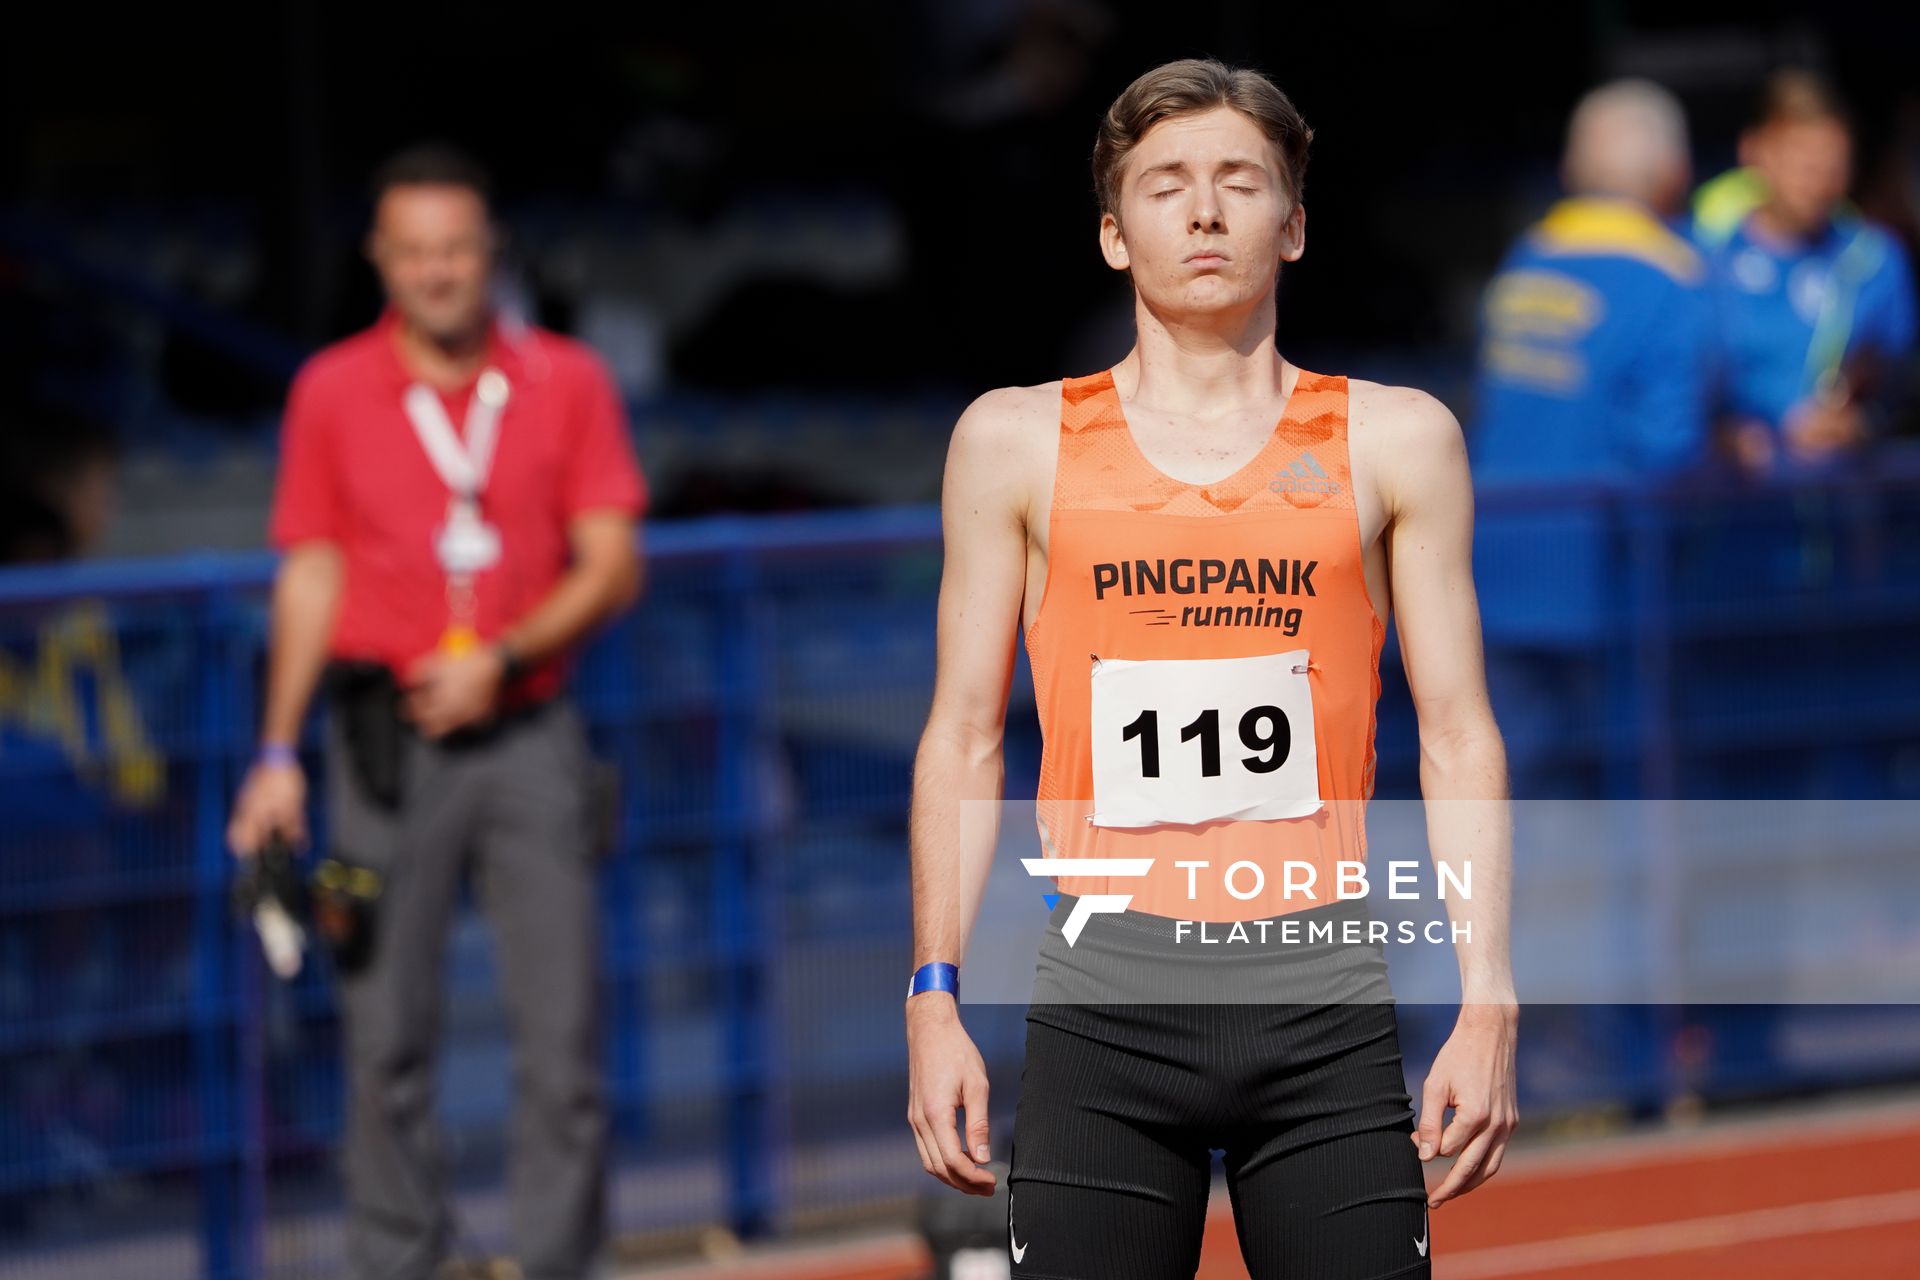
(512, 809)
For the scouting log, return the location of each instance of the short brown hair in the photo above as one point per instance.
(432, 164)
(1189, 87)
(1794, 95)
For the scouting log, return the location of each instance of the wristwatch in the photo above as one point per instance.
(512, 665)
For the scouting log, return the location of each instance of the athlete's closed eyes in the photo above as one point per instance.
(1174, 191)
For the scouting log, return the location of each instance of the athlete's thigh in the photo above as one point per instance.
(1099, 1186)
(1347, 1208)
(1324, 1178)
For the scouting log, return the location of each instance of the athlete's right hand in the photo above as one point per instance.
(272, 799)
(945, 1072)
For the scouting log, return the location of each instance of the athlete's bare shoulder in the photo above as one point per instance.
(1003, 449)
(1399, 416)
(1010, 417)
(1407, 442)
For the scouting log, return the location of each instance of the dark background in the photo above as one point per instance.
(1427, 116)
(155, 140)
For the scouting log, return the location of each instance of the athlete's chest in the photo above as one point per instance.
(1200, 455)
(1300, 542)
(1145, 582)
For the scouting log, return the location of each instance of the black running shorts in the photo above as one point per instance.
(1122, 1105)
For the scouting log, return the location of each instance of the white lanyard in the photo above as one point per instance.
(462, 465)
(466, 545)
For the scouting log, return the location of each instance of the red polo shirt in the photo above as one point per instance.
(352, 472)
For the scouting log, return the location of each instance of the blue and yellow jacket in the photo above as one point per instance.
(1597, 349)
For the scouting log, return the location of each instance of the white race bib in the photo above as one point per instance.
(1191, 740)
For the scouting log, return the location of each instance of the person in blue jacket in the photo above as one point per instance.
(1596, 350)
(1594, 373)
(1814, 302)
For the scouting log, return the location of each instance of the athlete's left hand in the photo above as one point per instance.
(446, 692)
(1473, 1073)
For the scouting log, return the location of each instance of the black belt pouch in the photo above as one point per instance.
(365, 698)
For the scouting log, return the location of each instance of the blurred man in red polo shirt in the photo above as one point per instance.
(457, 502)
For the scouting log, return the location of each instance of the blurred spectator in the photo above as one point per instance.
(1595, 365)
(56, 487)
(1814, 302)
(1595, 353)
(440, 576)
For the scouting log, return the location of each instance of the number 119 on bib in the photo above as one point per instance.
(1186, 741)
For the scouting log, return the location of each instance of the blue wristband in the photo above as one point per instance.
(277, 753)
(935, 975)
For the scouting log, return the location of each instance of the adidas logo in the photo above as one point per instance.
(1303, 475)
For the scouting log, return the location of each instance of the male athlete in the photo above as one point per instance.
(1200, 547)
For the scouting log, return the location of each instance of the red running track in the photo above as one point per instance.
(1808, 1196)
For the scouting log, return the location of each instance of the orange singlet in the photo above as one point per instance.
(1153, 748)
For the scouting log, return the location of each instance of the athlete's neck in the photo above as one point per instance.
(1185, 369)
(439, 360)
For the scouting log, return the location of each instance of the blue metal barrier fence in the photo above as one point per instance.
(165, 1109)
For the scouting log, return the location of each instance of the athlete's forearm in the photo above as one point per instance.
(1463, 777)
(958, 776)
(306, 594)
